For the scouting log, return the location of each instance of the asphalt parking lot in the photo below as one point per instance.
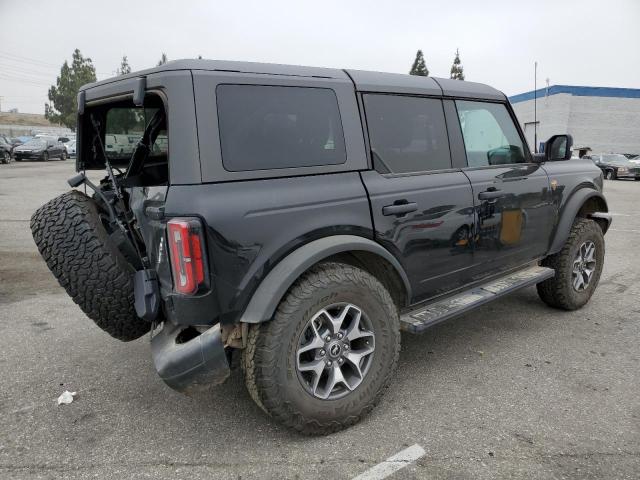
(512, 390)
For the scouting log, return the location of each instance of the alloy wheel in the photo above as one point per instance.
(584, 264)
(335, 351)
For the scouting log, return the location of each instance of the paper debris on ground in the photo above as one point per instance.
(66, 397)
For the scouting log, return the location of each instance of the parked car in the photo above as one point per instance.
(20, 140)
(117, 145)
(616, 166)
(301, 217)
(70, 147)
(634, 159)
(40, 148)
(6, 150)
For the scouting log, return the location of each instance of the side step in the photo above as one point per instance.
(416, 321)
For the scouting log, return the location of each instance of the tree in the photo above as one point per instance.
(419, 67)
(457, 70)
(163, 59)
(122, 120)
(124, 66)
(64, 95)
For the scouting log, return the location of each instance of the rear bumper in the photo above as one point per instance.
(191, 366)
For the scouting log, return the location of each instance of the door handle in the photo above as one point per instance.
(400, 208)
(491, 194)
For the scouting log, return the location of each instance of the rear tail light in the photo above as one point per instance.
(188, 260)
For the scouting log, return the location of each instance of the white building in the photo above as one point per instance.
(601, 119)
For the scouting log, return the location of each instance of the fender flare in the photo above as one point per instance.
(267, 296)
(570, 211)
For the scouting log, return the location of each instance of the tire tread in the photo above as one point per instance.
(260, 356)
(75, 246)
(555, 291)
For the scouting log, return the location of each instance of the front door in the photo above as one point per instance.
(514, 214)
(422, 208)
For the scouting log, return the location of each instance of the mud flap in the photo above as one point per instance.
(147, 294)
(193, 365)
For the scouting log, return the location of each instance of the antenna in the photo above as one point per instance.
(535, 107)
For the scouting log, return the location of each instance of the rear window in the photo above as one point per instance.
(271, 127)
(124, 128)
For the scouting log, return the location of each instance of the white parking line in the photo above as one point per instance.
(616, 214)
(393, 464)
(623, 230)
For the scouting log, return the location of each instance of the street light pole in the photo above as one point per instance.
(535, 107)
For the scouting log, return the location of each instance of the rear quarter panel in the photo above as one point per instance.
(251, 225)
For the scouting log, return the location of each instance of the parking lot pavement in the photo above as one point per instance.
(512, 390)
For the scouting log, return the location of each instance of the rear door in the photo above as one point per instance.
(422, 208)
(514, 211)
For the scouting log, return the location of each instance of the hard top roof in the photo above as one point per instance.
(363, 80)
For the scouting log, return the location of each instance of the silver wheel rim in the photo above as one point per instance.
(335, 350)
(584, 264)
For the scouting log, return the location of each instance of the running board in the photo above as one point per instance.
(418, 320)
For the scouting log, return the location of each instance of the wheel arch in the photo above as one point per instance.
(358, 251)
(584, 203)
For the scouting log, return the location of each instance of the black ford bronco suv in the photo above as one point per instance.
(302, 217)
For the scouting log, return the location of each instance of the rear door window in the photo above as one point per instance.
(271, 127)
(407, 134)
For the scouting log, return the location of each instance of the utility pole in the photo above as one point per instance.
(1, 97)
(535, 107)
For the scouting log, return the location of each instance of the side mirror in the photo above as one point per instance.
(558, 147)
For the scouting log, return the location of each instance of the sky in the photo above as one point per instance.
(584, 42)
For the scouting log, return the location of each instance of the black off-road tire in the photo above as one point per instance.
(558, 291)
(269, 359)
(75, 245)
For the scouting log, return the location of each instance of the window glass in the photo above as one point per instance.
(269, 127)
(124, 128)
(490, 136)
(407, 134)
(616, 158)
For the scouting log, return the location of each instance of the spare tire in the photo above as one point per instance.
(76, 247)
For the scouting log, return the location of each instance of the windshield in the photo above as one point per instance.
(36, 142)
(617, 159)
